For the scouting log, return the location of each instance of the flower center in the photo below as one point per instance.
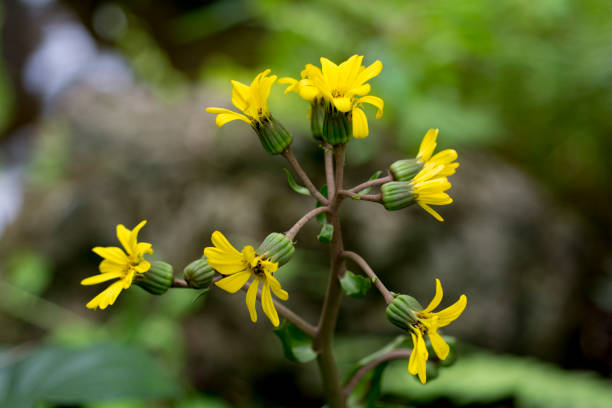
(258, 269)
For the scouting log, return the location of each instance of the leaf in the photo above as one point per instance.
(398, 342)
(355, 285)
(297, 346)
(322, 218)
(295, 186)
(326, 234)
(372, 177)
(59, 375)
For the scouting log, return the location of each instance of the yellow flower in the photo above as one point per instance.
(429, 189)
(445, 158)
(242, 266)
(428, 323)
(251, 100)
(344, 87)
(119, 264)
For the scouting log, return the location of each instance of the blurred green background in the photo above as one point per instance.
(102, 122)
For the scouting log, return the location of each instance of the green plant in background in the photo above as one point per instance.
(336, 94)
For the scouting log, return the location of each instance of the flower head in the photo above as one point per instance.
(240, 268)
(252, 100)
(445, 158)
(343, 88)
(428, 323)
(119, 264)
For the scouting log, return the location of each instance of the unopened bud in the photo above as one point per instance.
(402, 311)
(199, 274)
(156, 280)
(405, 170)
(337, 126)
(276, 247)
(397, 195)
(273, 136)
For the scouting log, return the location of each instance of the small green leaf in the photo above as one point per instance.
(372, 177)
(355, 285)
(326, 234)
(297, 346)
(322, 218)
(295, 186)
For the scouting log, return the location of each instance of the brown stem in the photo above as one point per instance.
(333, 295)
(329, 170)
(288, 154)
(179, 283)
(368, 271)
(392, 355)
(371, 183)
(366, 197)
(302, 221)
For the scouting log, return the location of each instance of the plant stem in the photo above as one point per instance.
(371, 183)
(366, 197)
(329, 170)
(302, 221)
(331, 305)
(392, 355)
(288, 154)
(368, 271)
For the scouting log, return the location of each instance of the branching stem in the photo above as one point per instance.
(366, 197)
(302, 221)
(371, 183)
(370, 272)
(288, 154)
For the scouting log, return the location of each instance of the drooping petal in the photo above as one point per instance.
(308, 92)
(293, 84)
(428, 145)
(374, 101)
(360, 124)
(421, 358)
(234, 283)
(103, 277)
(113, 254)
(106, 297)
(452, 312)
(142, 267)
(432, 212)
(225, 115)
(251, 297)
(276, 287)
(343, 104)
(412, 363)
(128, 278)
(268, 305)
(439, 345)
(436, 299)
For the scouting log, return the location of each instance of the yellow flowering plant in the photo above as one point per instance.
(336, 94)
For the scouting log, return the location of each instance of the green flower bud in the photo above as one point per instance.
(402, 311)
(276, 248)
(397, 195)
(405, 170)
(199, 274)
(156, 280)
(273, 136)
(337, 126)
(317, 111)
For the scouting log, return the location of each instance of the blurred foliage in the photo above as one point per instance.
(6, 96)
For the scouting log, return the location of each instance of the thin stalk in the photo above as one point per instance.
(371, 183)
(365, 197)
(302, 221)
(329, 170)
(368, 271)
(331, 305)
(392, 355)
(288, 154)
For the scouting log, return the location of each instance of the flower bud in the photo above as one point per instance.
(337, 126)
(273, 136)
(316, 119)
(199, 274)
(405, 170)
(402, 311)
(276, 247)
(397, 195)
(156, 280)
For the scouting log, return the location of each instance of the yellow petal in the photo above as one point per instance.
(219, 240)
(432, 212)
(113, 254)
(308, 92)
(276, 287)
(142, 267)
(223, 262)
(343, 104)
(143, 248)
(251, 297)
(412, 363)
(421, 358)
(452, 312)
(248, 254)
(106, 297)
(439, 345)
(240, 95)
(268, 305)
(107, 266)
(374, 101)
(360, 124)
(103, 277)
(428, 145)
(234, 283)
(134, 234)
(444, 157)
(436, 299)
(225, 115)
(370, 72)
(330, 71)
(124, 234)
